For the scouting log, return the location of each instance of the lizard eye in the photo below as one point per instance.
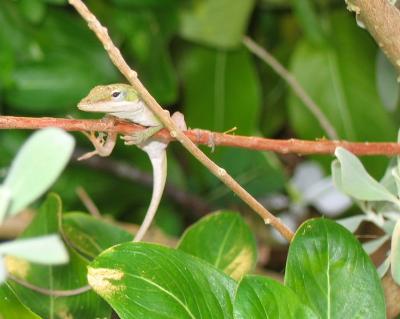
(115, 94)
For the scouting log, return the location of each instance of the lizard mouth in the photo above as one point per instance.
(110, 106)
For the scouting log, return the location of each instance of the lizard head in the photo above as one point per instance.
(110, 98)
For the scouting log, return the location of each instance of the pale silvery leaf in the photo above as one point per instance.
(326, 198)
(313, 188)
(3, 270)
(395, 216)
(396, 177)
(352, 223)
(395, 253)
(306, 175)
(372, 246)
(37, 165)
(388, 226)
(5, 198)
(388, 180)
(49, 249)
(351, 177)
(384, 267)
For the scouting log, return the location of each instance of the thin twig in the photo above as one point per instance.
(116, 57)
(49, 292)
(269, 59)
(296, 146)
(382, 20)
(192, 204)
(88, 202)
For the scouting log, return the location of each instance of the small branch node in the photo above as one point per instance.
(221, 172)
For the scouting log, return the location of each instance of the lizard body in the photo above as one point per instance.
(122, 101)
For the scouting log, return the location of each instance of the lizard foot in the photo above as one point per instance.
(137, 138)
(134, 138)
(103, 144)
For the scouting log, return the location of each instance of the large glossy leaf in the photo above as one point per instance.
(342, 83)
(221, 90)
(263, 298)
(11, 307)
(220, 23)
(70, 276)
(90, 235)
(149, 281)
(330, 272)
(350, 176)
(224, 240)
(37, 165)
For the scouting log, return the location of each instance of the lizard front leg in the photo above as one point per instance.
(103, 147)
(140, 137)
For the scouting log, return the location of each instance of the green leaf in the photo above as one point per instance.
(134, 4)
(395, 253)
(148, 36)
(224, 240)
(386, 80)
(54, 85)
(260, 297)
(142, 280)
(33, 10)
(220, 23)
(57, 2)
(91, 236)
(221, 90)
(350, 176)
(306, 13)
(54, 80)
(259, 173)
(330, 272)
(11, 307)
(32, 249)
(37, 165)
(342, 83)
(70, 276)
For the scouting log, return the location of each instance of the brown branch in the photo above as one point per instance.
(300, 147)
(315, 110)
(382, 20)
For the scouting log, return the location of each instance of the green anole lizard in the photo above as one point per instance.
(123, 102)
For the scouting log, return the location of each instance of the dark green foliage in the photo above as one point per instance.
(190, 56)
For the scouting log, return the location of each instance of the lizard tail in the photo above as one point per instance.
(158, 156)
